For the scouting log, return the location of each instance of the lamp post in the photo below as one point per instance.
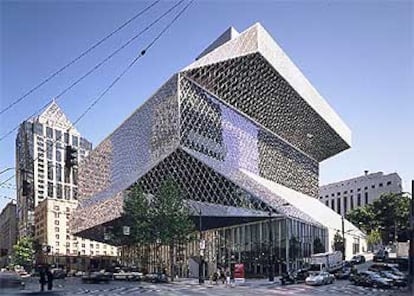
(343, 238)
(271, 276)
(202, 246)
(411, 252)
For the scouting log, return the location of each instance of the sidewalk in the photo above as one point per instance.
(248, 282)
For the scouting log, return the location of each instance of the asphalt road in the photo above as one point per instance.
(74, 286)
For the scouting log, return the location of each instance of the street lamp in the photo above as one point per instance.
(202, 247)
(271, 276)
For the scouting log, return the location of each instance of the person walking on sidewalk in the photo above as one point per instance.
(42, 279)
(228, 277)
(49, 276)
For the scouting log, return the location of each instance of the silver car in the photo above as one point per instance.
(320, 278)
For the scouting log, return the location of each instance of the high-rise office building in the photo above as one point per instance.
(8, 232)
(45, 180)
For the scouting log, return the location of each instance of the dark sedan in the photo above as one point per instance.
(358, 259)
(371, 279)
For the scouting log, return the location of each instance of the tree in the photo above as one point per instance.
(171, 218)
(389, 214)
(161, 219)
(374, 237)
(318, 246)
(338, 242)
(23, 253)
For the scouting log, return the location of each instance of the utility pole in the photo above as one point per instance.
(343, 238)
(271, 276)
(200, 266)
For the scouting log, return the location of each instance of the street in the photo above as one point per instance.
(74, 286)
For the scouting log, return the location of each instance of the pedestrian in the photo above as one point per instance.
(49, 276)
(42, 279)
(227, 277)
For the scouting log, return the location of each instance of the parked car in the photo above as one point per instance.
(385, 267)
(320, 278)
(95, 277)
(380, 256)
(121, 275)
(294, 277)
(358, 259)
(343, 273)
(58, 273)
(370, 279)
(10, 280)
(397, 280)
(160, 278)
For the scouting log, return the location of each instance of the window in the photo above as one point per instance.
(83, 245)
(333, 194)
(359, 189)
(338, 206)
(359, 200)
(352, 202)
(49, 132)
(67, 175)
(38, 128)
(345, 204)
(327, 203)
(388, 183)
(91, 246)
(58, 172)
(75, 176)
(345, 192)
(59, 191)
(66, 138)
(57, 244)
(75, 140)
(58, 155)
(58, 134)
(338, 193)
(67, 192)
(320, 197)
(351, 190)
(380, 184)
(366, 197)
(333, 204)
(372, 186)
(50, 170)
(67, 209)
(50, 189)
(326, 196)
(56, 222)
(56, 208)
(49, 149)
(56, 229)
(57, 236)
(365, 188)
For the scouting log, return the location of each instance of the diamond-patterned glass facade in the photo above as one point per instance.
(214, 128)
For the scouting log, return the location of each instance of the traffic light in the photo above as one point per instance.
(71, 159)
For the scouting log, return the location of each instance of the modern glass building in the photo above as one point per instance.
(242, 132)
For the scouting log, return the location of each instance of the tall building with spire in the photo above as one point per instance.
(47, 186)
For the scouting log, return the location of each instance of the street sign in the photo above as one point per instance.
(126, 230)
(239, 273)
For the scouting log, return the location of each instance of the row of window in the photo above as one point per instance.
(57, 135)
(345, 203)
(358, 190)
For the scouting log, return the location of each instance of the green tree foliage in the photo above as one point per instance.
(338, 242)
(161, 219)
(374, 237)
(23, 253)
(318, 246)
(388, 214)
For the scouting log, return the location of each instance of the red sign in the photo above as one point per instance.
(239, 271)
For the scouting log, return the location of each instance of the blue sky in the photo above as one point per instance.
(358, 55)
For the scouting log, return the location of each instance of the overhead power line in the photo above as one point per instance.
(142, 53)
(97, 66)
(84, 53)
